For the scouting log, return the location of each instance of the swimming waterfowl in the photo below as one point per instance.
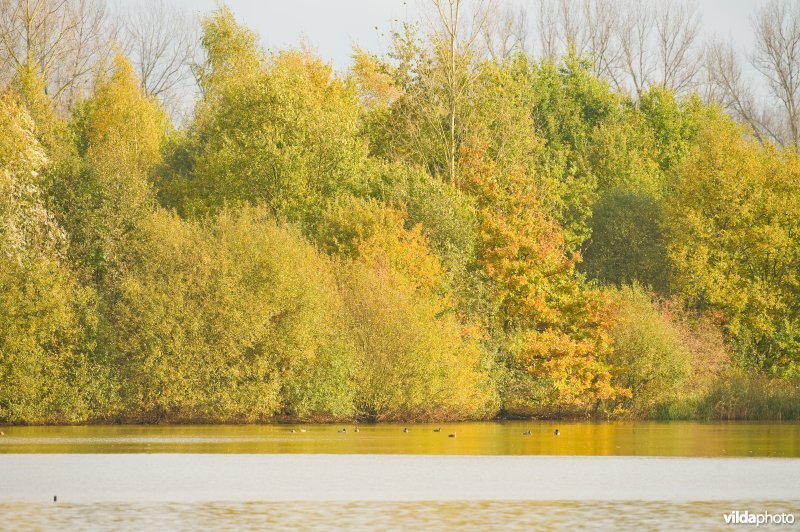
(292, 430)
(406, 429)
(356, 430)
(557, 432)
(302, 430)
(453, 435)
(526, 433)
(437, 430)
(342, 430)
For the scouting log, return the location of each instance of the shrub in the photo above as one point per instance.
(649, 356)
(230, 318)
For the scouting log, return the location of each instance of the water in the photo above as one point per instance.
(594, 475)
(583, 439)
(422, 515)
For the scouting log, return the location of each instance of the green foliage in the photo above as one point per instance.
(446, 215)
(649, 356)
(226, 318)
(413, 362)
(734, 241)
(673, 124)
(621, 156)
(569, 104)
(101, 190)
(45, 319)
(281, 130)
(428, 237)
(628, 243)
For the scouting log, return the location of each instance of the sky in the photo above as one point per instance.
(332, 27)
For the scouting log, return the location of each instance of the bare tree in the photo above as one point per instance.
(586, 28)
(63, 39)
(677, 30)
(162, 42)
(455, 31)
(505, 32)
(638, 58)
(549, 29)
(777, 58)
(602, 17)
(729, 86)
(634, 44)
(563, 28)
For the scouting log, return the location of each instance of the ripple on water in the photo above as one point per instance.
(472, 515)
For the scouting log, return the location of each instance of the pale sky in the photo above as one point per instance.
(333, 26)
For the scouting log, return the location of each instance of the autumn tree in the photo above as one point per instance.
(733, 235)
(279, 130)
(103, 189)
(227, 318)
(46, 320)
(416, 358)
(554, 329)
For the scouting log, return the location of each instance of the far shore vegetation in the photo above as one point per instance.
(448, 231)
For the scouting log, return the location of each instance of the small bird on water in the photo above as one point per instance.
(526, 433)
(453, 435)
(356, 429)
(437, 430)
(557, 432)
(342, 430)
(292, 430)
(406, 429)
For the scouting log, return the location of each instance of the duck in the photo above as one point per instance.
(526, 433)
(342, 430)
(405, 429)
(356, 429)
(437, 429)
(557, 432)
(292, 431)
(302, 430)
(453, 435)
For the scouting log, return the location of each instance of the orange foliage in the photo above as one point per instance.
(559, 327)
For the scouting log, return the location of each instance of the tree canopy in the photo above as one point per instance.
(438, 233)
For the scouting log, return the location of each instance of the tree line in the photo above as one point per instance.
(456, 229)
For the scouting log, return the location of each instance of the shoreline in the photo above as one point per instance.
(285, 422)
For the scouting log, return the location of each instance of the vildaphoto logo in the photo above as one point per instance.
(737, 517)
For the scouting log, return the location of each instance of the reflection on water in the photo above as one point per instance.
(633, 515)
(490, 438)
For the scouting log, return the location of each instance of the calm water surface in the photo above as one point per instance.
(491, 438)
(630, 476)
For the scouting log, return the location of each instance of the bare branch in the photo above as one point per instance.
(162, 42)
(777, 58)
(62, 38)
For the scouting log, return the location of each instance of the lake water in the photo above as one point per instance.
(585, 439)
(490, 476)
